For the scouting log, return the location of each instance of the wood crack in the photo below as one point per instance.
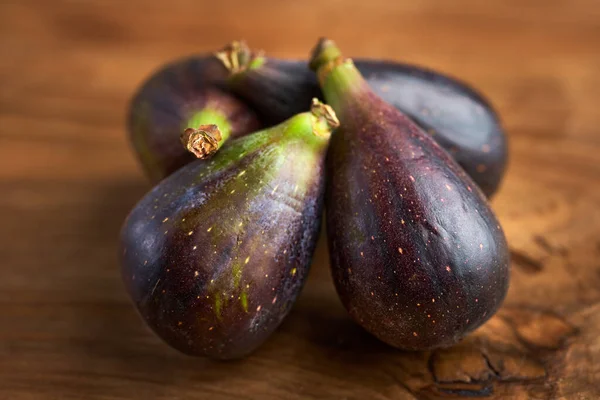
(525, 262)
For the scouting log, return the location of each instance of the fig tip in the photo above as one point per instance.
(203, 141)
(319, 54)
(237, 56)
(326, 119)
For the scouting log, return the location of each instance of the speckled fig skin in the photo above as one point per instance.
(458, 117)
(163, 105)
(215, 255)
(417, 256)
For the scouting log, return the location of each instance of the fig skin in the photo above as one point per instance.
(417, 256)
(173, 97)
(216, 254)
(458, 117)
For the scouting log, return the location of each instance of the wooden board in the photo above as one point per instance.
(67, 180)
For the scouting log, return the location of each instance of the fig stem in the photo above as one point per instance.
(206, 117)
(338, 76)
(324, 52)
(237, 57)
(202, 141)
(324, 119)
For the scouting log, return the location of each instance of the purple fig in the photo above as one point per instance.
(185, 93)
(215, 255)
(417, 255)
(459, 118)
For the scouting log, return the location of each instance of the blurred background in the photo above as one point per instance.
(68, 179)
(78, 61)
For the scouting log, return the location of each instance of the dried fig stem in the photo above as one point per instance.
(237, 57)
(203, 141)
(325, 121)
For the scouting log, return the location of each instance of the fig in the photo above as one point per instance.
(417, 256)
(457, 116)
(185, 93)
(215, 255)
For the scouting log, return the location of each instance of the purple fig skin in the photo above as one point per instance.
(276, 88)
(167, 100)
(459, 118)
(417, 256)
(216, 254)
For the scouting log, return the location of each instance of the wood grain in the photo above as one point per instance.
(67, 180)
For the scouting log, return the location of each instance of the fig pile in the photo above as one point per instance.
(246, 151)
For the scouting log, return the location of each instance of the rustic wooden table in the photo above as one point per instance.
(68, 178)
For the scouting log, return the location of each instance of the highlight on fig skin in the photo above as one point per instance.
(203, 141)
(417, 256)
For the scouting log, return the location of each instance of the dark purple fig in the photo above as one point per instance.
(185, 93)
(418, 257)
(459, 118)
(215, 255)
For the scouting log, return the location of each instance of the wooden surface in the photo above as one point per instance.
(68, 178)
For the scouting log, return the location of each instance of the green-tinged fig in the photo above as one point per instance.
(418, 257)
(459, 118)
(215, 255)
(185, 93)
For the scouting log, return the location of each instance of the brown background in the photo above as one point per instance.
(68, 178)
